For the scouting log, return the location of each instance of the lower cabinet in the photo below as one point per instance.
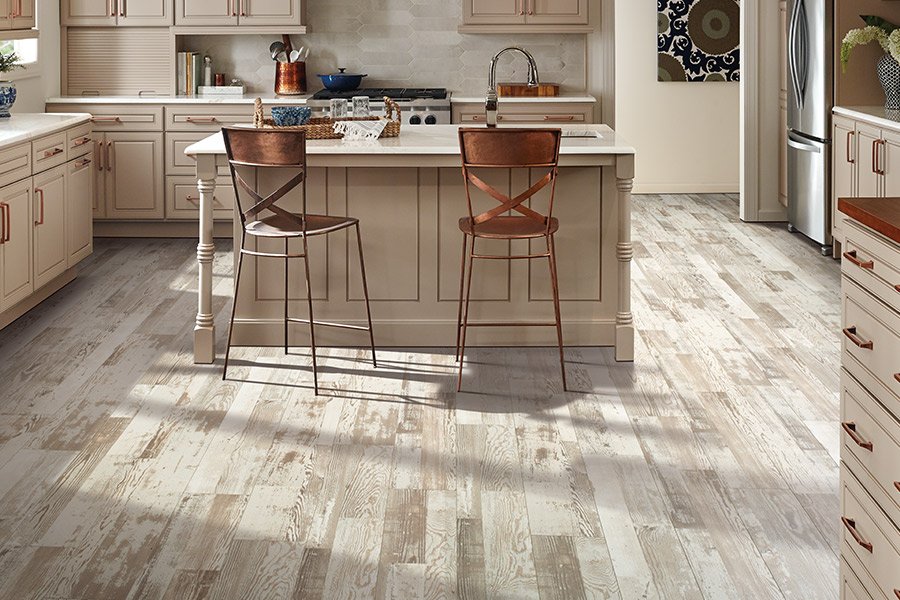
(535, 111)
(79, 202)
(131, 182)
(49, 210)
(16, 279)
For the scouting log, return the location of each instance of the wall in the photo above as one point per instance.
(411, 43)
(687, 135)
(33, 90)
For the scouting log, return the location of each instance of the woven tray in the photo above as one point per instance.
(322, 128)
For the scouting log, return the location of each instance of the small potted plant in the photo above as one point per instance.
(8, 62)
(888, 69)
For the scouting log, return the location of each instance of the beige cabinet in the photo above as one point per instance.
(548, 113)
(843, 173)
(49, 237)
(889, 164)
(21, 14)
(16, 282)
(868, 172)
(122, 13)
(79, 209)
(524, 15)
(211, 13)
(133, 175)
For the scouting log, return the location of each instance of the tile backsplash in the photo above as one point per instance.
(399, 43)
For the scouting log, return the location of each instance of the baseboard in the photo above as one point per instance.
(686, 188)
(39, 295)
(161, 229)
(775, 215)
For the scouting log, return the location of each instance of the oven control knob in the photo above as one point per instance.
(431, 120)
(415, 120)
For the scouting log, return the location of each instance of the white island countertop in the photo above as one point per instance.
(436, 140)
(24, 127)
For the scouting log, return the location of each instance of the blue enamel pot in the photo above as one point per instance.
(341, 81)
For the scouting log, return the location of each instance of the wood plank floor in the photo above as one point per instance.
(708, 469)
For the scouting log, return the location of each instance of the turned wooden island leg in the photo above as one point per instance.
(204, 329)
(624, 253)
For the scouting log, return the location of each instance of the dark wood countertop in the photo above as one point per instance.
(880, 214)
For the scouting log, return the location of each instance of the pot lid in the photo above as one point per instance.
(341, 73)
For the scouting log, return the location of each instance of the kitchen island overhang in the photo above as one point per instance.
(408, 194)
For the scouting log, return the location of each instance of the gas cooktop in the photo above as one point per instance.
(397, 94)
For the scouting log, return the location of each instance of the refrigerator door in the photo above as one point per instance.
(809, 171)
(809, 62)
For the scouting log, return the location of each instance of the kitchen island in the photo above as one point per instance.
(408, 194)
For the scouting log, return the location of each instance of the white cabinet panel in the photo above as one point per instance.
(49, 209)
(16, 282)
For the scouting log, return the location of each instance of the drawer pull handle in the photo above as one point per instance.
(897, 593)
(850, 428)
(4, 222)
(850, 333)
(40, 192)
(196, 199)
(81, 142)
(106, 119)
(202, 120)
(850, 524)
(897, 288)
(52, 153)
(897, 377)
(559, 118)
(82, 163)
(862, 264)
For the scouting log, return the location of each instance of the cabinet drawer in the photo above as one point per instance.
(871, 343)
(177, 163)
(871, 444)
(851, 587)
(207, 119)
(869, 536)
(183, 199)
(15, 164)
(873, 261)
(110, 117)
(530, 117)
(49, 152)
(78, 141)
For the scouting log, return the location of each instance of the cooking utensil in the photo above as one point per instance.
(295, 56)
(288, 46)
(275, 49)
(341, 81)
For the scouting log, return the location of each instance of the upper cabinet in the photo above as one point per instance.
(537, 16)
(245, 13)
(16, 14)
(124, 13)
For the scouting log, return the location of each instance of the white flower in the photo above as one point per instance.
(867, 35)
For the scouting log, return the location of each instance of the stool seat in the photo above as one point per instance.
(508, 228)
(279, 226)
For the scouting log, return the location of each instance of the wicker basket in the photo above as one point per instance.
(322, 128)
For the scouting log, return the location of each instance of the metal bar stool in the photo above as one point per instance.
(254, 150)
(507, 149)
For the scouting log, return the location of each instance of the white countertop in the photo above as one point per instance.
(434, 140)
(245, 99)
(28, 126)
(877, 115)
(520, 100)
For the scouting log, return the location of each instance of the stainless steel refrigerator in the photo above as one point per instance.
(810, 97)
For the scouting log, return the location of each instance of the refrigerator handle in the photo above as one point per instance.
(792, 51)
(799, 145)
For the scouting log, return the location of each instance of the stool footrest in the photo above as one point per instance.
(510, 324)
(329, 324)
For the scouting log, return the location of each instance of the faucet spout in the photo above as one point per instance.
(491, 101)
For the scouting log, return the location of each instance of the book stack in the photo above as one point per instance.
(190, 73)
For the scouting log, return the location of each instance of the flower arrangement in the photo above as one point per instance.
(876, 30)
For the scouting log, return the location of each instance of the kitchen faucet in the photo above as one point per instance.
(490, 103)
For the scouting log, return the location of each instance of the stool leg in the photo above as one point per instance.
(237, 284)
(462, 279)
(465, 320)
(362, 268)
(286, 294)
(554, 277)
(312, 327)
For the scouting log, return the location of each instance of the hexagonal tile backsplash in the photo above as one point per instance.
(399, 43)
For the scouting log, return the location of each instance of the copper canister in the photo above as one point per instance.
(290, 78)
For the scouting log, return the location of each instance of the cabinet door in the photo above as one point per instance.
(494, 12)
(206, 12)
(6, 10)
(843, 170)
(87, 12)
(16, 280)
(867, 178)
(556, 12)
(79, 209)
(889, 164)
(49, 210)
(144, 13)
(98, 201)
(269, 12)
(134, 176)
(22, 14)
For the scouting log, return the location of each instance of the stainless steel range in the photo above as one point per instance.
(421, 106)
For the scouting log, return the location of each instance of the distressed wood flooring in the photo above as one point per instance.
(708, 469)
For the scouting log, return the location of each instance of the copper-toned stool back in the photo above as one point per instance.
(506, 149)
(256, 150)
